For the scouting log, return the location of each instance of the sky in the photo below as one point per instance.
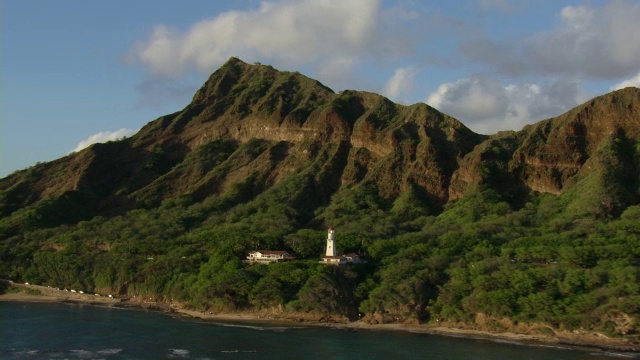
(75, 72)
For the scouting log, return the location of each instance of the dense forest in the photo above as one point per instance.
(455, 227)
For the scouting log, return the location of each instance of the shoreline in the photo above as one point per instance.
(575, 341)
(596, 344)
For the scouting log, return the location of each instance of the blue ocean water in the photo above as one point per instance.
(68, 331)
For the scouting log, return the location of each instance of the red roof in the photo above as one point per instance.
(331, 228)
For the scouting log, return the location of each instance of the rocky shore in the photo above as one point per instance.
(591, 341)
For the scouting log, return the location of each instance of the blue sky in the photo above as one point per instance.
(77, 72)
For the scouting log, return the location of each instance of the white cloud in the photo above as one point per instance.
(590, 42)
(401, 83)
(104, 136)
(601, 42)
(634, 81)
(487, 106)
(290, 32)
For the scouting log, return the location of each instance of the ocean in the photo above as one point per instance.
(73, 331)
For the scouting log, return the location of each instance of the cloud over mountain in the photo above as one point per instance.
(401, 83)
(104, 136)
(634, 81)
(488, 106)
(290, 32)
(499, 83)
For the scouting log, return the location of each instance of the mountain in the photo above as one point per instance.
(292, 121)
(596, 142)
(366, 138)
(456, 226)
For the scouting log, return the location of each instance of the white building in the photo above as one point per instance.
(269, 256)
(334, 260)
(352, 258)
(330, 257)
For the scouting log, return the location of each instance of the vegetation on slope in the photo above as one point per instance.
(479, 256)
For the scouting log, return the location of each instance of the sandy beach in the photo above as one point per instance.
(590, 341)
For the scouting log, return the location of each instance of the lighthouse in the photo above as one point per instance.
(331, 243)
(331, 258)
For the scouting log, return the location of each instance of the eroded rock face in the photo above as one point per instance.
(405, 145)
(269, 124)
(547, 156)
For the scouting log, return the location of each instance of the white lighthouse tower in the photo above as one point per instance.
(331, 243)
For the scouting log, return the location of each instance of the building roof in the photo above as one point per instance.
(270, 252)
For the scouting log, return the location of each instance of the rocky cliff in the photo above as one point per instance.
(254, 126)
(597, 142)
